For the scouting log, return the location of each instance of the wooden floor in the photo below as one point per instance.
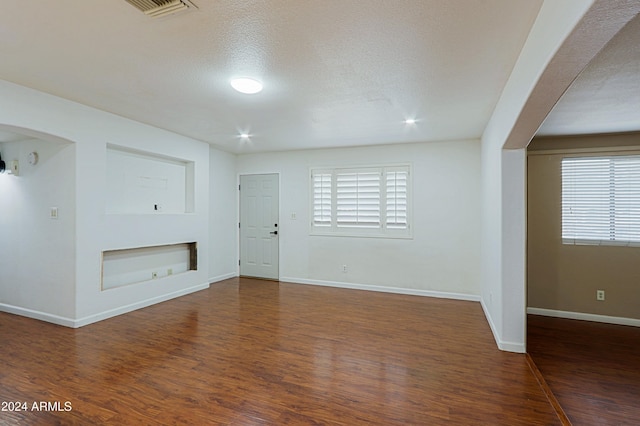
(593, 369)
(249, 352)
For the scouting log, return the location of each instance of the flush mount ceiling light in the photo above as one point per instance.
(246, 85)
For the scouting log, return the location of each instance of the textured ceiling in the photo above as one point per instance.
(336, 72)
(605, 98)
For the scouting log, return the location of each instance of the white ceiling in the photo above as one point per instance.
(336, 72)
(605, 98)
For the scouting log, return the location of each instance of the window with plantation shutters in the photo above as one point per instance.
(322, 199)
(601, 200)
(363, 201)
(396, 186)
(358, 199)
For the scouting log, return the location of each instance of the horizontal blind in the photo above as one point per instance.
(358, 199)
(322, 199)
(626, 171)
(601, 199)
(396, 214)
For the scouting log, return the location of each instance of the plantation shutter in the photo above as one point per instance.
(322, 199)
(601, 199)
(358, 198)
(396, 213)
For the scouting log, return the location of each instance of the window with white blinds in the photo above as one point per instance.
(601, 200)
(370, 201)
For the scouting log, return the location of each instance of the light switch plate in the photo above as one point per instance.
(15, 167)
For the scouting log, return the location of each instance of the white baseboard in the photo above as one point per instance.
(42, 316)
(138, 305)
(223, 277)
(502, 345)
(584, 317)
(383, 289)
(76, 323)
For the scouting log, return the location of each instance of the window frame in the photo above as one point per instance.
(381, 231)
(582, 240)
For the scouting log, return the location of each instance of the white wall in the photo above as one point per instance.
(503, 182)
(143, 183)
(223, 219)
(37, 253)
(32, 112)
(443, 258)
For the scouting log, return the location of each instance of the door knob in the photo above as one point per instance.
(274, 233)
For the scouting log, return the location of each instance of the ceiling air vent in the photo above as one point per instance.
(158, 8)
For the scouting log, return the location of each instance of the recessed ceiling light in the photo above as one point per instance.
(246, 85)
(244, 135)
(410, 121)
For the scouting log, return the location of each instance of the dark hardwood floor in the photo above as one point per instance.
(593, 369)
(250, 352)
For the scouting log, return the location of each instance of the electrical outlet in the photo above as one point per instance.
(169, 271)
(344, 268)
(600, 295)
(154, 275)
(53, 212)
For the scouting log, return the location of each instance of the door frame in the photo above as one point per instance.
(238, 251)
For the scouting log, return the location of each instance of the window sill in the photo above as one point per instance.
(584, 242)
(400, 236)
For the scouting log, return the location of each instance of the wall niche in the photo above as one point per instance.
(135, 265)
(141, 182)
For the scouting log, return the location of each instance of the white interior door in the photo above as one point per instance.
(259, 226)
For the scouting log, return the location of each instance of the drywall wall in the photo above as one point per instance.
(144, 183)
(565, 277)
(442, 257)
(37, 254)
(31, 112)
(503, 183)
(223, 215)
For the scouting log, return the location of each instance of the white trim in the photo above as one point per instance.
(223, 277)
(384, 289)
(519, 348)
(584, 316)
(585, 242)
(514, 347)
(502, 345)
(76, 323)
(42, 316)
(631, 149)
(138, 305)
(349, 234)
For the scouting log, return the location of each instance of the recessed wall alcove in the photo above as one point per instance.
(140, 182)
(136, 265)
